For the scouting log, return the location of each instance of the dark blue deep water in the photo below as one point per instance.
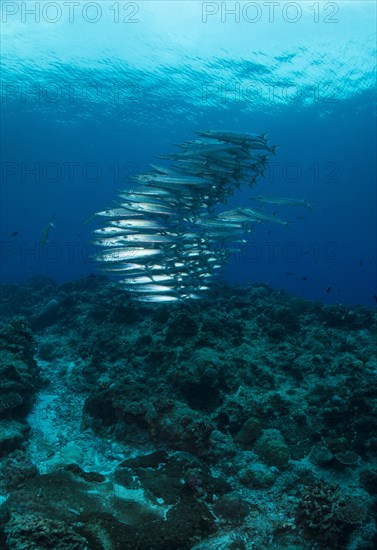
(90, 96)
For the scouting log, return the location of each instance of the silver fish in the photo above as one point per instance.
(150, 288)
(109, 231)
(113, 213)
(165, 239)
(232, 137)
(126, 254)
(137, 223)
(46, 231)
(259, 215)
(284, 201)
(145, 279)
(159, 298)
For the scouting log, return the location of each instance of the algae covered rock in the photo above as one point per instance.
(249, 432)
(321, 456)
(32, 532)
(12, 434)
(19, 375)
(258, 476)
(232, 507)
(272, 449)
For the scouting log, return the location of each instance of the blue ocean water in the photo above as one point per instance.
(91, 93)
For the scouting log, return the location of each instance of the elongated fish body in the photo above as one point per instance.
(191, 296)
(109, 231)
(237, 137)
(126, 254)
(145, 192)
(168, 179)
(198, 143)
(109, 242)
(151, 288)
(147, 198)
(113, 213)
(266, 217)
(46, 231)
(205, 148)
(137, 223)
(124, 269)
(159, 298)
(284, 201)
(162, 169)
(148, 238)
(165, 240)
(147, 207)
(207, 151)
(146, 279)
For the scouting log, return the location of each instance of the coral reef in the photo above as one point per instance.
(19, 375)
(32, 532)
(329, 515)
(244, 421)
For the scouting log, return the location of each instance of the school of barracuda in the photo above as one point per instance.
(164, 239)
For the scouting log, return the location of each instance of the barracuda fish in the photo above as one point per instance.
(150, 193)
(245, 140)
(125, 254)
(239, 215)
(205, 151)
(232, 137)
(197, 169)
(151, 288)
(229, 162)
(218, 148)
(114, 213)
(259, 215)
(160, 298)
(162, 169)
(178, 189)
(137, 223)
(46, 231)
(165, 240)
(109, 231)
(216, 236)
(147, 238)
(141, 269)
(261, 158)
(150, 208)
(128, 243)
(157, 178)
(222, 225)
(109, 242)
(150, 199)
(198, 143)
(146, 279)
(283, 201)
(174, 182)
(129, 269)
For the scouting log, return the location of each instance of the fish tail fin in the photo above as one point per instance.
(92, 217)
(263, 136)
(309, 206)
(273, 148)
